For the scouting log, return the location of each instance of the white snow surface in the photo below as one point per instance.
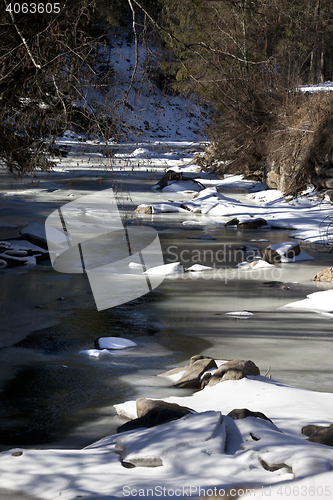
(319, 87)
(305, 214)
(204, 450)
(321, 302)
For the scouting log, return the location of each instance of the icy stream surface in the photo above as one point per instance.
(52, 397)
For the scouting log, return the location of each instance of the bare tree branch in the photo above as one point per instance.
(37, 66)
(124, 99)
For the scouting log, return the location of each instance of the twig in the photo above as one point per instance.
(38, 66)
(124, 99)
(61, 99)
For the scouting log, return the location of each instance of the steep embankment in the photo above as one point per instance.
(300, 147)
(292, 147)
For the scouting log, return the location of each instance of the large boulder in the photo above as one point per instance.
(196, 357)
(250, 223)
(154, 412)
(319, 434)
(254, 223)
(192, 376)
(324, 275)
(275, 253)
(232, 222)
(271, 256)
(144, 405)
(144, 209)
(238, 369)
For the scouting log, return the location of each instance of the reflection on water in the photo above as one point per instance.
(53, 396)
(48, 389)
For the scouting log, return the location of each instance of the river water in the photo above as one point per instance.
(53, 397)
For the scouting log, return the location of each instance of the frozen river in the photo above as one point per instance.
(52, 396)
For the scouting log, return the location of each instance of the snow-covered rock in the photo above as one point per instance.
(198, 268)
(240, 314)
(288, 251)
(172, 268)
(114, 343)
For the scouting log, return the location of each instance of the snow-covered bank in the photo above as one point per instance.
(306, 214)
(206, 450)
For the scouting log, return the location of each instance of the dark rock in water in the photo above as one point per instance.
(170, 175)
(324, 275)
(252, 223)
(277, 284)
(232, 222)
(240, 413)
(154, 412)
(319, 434)
(284, 287)
(191, 379)
(239, 369)
(271, 256)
